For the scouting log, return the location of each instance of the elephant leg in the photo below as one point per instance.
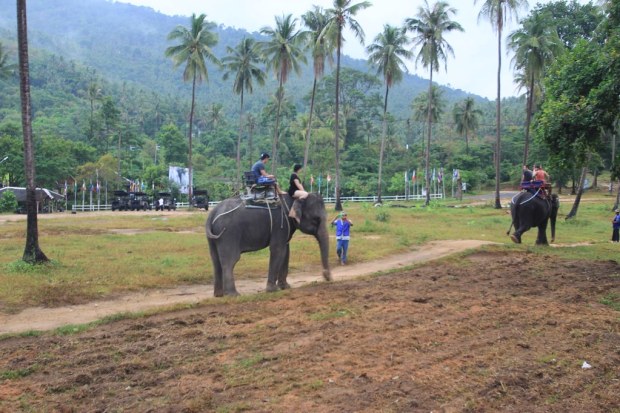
(283, 271)
(542, 234)
(228, 260)
(516, 236)
(277, 258)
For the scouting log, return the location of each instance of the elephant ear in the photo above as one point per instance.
(296, 211)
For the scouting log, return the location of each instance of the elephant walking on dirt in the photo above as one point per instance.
(529, 210)
(234, 228)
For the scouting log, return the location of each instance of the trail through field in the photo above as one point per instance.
(40, 318)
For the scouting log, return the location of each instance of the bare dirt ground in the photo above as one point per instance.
(489, 332)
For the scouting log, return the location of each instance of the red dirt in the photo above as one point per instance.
(490, 332)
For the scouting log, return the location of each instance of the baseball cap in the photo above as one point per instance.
(264, 155)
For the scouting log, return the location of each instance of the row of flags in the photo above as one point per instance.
(437, 175)
(328, 178)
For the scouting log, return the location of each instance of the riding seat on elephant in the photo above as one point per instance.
(532, 210)
(236, 226)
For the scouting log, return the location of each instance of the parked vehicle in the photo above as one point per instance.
(170, 203)
(139, 201)
(200, 199)
(120, 201)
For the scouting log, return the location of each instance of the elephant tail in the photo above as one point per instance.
(211, 235)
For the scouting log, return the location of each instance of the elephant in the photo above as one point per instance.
(233, 228)
(529, 210)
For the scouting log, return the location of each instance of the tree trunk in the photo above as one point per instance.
(190, 190)
(239, 184)
(307, 148)
(617, 200)
(528, 120)
(381, 151)
(582, 179)
(32, 251)
(274, 149)
(338, 206)
(428, 139)
(498, 119)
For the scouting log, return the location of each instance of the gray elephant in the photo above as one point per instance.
(529, 210)
(234, 228)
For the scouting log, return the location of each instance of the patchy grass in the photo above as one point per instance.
(100, 255)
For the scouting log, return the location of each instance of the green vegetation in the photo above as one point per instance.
(8, 202)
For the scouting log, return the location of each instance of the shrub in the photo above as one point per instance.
(8, 202)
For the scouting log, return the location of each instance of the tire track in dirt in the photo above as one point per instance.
(39, 318)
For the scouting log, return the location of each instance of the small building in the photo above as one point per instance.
(47, 200)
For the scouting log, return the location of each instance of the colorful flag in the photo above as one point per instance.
(455, 174)
(98, 187)
(413, 176)
(433, 176)
(329, 177)
(83, 186)
(440, 176)
(312, 179)
(406, 173)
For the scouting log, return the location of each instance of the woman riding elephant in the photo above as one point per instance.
(531, 210)
(234, 228)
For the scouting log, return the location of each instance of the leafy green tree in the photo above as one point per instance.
(6, 69)
(32, 252)
(341, 16)
(8, 202)
(283, 53)
(387, 54)
(173, 144)
(428, 29)
(535, 46)
(322, 48)
(241, 63)
(194, 49)
(573, 21)
(466, 119)
(94, 94)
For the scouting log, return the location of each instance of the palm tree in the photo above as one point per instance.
(498, 11)
(283, 53)
(194, 48)
(466, 119)
(32, 251)
(340, 17)
(6, 69)
(241, 63)
(422, 110)
(428, 33)
(387, 53)
(322, 48)
(94, 94)
(536, 44)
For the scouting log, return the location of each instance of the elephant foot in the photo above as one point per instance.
(271, 288)
(515, 239)
(284, 286)
(327, 275)
(218, 293)
(232, 293)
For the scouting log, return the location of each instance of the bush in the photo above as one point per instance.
(8, 202)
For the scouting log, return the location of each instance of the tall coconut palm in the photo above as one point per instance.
(241, 63)
(387, 54)
(283, 53)
(422, 110)
(194, 49)
(428, 28)
(32, 251)
(341, 16)
(535, 45)
(466, 119)
(322, 48)
(498, 11)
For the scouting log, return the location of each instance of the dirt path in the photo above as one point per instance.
(40, 318)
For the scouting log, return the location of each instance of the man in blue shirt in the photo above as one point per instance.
(615, 236)
(343, 234)
(260, 174)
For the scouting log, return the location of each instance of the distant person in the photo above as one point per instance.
(260, 174)
(527, 174)
(296, 189)
(343, 235)
(615, 236)
(161, 204)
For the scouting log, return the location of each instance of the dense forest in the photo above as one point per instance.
(109, 106)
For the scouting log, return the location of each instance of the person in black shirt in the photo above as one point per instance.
(296, 189)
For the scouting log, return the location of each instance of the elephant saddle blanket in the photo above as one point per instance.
(540, 189)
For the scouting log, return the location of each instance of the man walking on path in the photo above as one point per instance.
(343, 230)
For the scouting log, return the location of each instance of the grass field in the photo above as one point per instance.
(104, 254)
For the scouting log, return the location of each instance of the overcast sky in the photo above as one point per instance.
(473, 67)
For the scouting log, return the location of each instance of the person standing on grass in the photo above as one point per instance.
(615, 236)
(343, 235)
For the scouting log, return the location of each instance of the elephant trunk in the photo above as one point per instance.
(322, 237)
